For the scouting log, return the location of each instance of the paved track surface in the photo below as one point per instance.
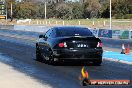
(21, 52)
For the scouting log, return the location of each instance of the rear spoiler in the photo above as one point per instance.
(83, 37)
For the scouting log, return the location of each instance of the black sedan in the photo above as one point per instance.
(69, 44)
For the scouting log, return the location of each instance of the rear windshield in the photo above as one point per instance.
(63, 32)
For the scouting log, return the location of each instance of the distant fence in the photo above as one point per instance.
(6, 26)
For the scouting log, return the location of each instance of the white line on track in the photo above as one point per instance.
(119, 61)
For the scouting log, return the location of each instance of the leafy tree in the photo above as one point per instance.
(105, 10)
(77, 11)
(26, 10)
(70, 10)
(91, 8)
(51, 10)
(121, 8)
(63, 11)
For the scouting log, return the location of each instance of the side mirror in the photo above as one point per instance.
(41, 36)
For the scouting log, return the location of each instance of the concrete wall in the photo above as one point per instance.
(116, 43)
(6, 26)
(32, 28)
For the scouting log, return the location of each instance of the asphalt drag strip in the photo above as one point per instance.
(12, 78)
(40, 76)
(19, 54)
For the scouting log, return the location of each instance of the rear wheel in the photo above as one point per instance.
(51, 60)
(45, 58)
(38, 54)
(48, 57)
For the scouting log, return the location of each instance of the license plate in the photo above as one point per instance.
(82, 45)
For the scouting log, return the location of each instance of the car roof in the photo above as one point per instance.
(71, 27)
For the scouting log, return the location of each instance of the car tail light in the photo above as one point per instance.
(63, 44)
(99, 44)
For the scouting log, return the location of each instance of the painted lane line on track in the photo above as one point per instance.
(116, 60)
(118, 56)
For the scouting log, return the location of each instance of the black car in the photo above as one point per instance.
(69, 44)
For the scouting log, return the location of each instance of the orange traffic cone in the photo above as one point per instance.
(127, 50)
(123, 49)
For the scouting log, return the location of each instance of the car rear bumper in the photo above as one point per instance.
(80, 54)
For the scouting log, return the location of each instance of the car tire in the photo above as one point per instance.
(48, 58)
(38, 54)
(51, 60)
(45, 58)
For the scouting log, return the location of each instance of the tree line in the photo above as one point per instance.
(64, 9)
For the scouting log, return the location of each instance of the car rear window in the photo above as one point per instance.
(63, 32)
